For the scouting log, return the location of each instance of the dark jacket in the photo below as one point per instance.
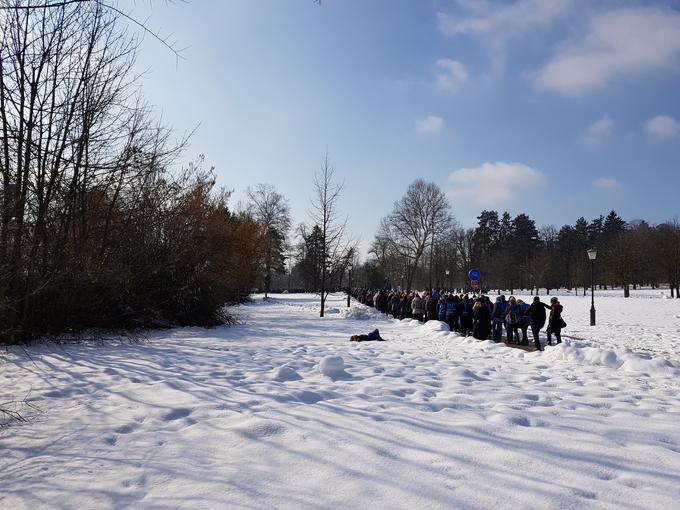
(395, 304)
(555, 321)
(481, 328)
(536, 312)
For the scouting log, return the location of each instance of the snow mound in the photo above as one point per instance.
(332, 310)
(258, 429)
(284, 373)
(332, 366)
(436, 326)
(619, 359)
(362, 313)
(651, 366)
(465, 374)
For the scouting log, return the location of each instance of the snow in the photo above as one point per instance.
(333, 367)
(283, 374)
(282, 411)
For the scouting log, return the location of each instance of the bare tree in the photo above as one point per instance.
(94, 229)
(421, 214)
(271, 211)
(325, 215)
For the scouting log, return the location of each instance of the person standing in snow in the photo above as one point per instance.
(441, 309)
(498, 317)
(466, 315)
(512, 321)
(417, 308)
(452, 313)
(555, 322)
(480, 314)
(524, 320)
(431, 306)
(489, 306)
(536, 314)
(395, 305)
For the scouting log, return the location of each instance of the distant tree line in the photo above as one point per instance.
(419, 242)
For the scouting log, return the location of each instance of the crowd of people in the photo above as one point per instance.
(471, 314)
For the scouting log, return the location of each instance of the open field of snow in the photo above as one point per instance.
(283, 412)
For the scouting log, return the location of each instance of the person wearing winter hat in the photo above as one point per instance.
(555, 322)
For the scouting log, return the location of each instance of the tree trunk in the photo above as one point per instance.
(626, 290)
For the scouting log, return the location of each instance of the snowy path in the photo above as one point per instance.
(242, 417)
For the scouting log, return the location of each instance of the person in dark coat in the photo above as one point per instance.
(555, 322)
(372, 336)
(405, 307)
(489, 305)
(466, 315)
(395, 305)
(536, 313)
(431, 307)
(480, 315)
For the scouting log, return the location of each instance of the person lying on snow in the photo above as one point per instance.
(373, 335)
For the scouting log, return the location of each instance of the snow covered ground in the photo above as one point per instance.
(283, 411)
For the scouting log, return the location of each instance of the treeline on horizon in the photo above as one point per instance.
(512, 253)
(420, 241)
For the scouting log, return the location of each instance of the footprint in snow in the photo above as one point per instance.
(126, 429)
(176, 414)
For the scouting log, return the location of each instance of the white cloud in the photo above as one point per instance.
(451, 74)
(429, 124)
(662, 126)
(619, 44)
(598, 131)
(494, 183)
(606, 183)
(502, 23)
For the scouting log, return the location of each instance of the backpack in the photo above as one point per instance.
(512, 316)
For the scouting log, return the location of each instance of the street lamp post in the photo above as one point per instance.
(349, 283)
(447, 274)
(592, 254)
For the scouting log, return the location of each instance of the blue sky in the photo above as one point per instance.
(556, 108)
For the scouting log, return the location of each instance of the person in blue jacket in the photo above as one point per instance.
(498, 318)
(524, 320)
(452, 312)
(466, 315)
(441, 309)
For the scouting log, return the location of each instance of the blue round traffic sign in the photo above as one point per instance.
(475, 275)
